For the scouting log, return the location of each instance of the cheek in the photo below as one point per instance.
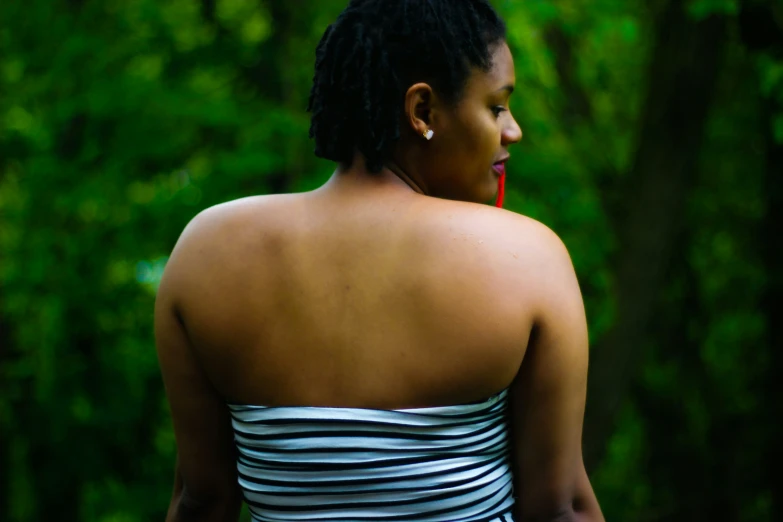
(484, 139)
(480, 137)
(466, 151)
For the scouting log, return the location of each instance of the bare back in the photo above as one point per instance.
(339, 299)
(370, 295)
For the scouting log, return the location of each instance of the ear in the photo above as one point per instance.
(419, 102)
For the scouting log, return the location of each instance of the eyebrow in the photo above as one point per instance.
(509, 88)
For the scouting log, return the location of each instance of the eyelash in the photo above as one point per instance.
(498, 109)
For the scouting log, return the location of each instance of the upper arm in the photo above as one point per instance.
(548, 395)
(206, 479)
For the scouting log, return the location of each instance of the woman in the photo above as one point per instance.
(384, 347)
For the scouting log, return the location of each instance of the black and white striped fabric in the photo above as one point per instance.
(442, 464)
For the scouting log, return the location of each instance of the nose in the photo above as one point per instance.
(512, 133)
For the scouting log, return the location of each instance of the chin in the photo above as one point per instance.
(491, 191)
(485, 193)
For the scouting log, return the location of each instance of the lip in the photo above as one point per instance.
(500, 166)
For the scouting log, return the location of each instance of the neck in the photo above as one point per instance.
(391, 175)
(397, 171)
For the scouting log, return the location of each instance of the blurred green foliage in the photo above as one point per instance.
(121, 119)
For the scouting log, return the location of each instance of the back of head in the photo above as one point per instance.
(374, 51)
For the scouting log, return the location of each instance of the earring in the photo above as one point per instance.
(428, 134)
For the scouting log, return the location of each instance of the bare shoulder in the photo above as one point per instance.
(216, 239)
(527, 240)
(233, 215)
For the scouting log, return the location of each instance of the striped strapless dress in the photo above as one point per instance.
(441, 464)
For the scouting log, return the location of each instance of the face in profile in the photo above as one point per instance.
(473, 134)
(449, 66)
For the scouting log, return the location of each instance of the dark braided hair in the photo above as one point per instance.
(374, 51)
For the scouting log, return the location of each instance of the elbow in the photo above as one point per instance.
(561, 515)
(189, 507)
(573, 512)
(186, 507)
(556, 506)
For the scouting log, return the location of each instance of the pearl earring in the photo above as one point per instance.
(429, 134)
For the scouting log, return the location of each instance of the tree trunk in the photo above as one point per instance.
(5, 446)
(773, 260)
(682, 74)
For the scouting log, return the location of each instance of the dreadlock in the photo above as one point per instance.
(374, 51)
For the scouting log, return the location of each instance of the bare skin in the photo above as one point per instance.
(368, 292)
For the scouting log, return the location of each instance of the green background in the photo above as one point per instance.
(653, 146)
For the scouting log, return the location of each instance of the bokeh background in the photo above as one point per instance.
(653, 146)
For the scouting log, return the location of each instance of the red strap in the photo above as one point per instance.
(501, 188)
